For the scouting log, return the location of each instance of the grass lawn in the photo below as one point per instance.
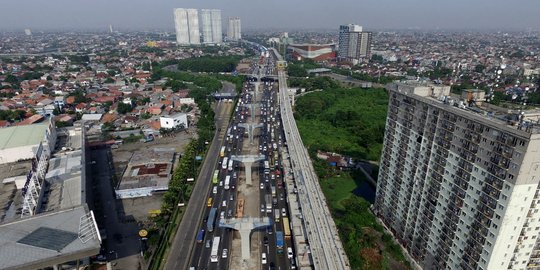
(337, 189)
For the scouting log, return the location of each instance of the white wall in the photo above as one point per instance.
(170, 122)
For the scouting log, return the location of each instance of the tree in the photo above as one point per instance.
(109, 80)
(123, 108)
(10, 78)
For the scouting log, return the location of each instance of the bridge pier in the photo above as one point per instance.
(248, 161)
(250, 129)
(244, 226)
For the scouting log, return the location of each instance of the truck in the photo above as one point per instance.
(227, 182)
(224, 163)
(230, 165)
(279, 241)
(211, 219)
(268, 198)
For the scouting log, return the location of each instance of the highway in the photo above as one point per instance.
(326, 248)
(184, 239)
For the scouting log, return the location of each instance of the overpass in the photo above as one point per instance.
(326, 248)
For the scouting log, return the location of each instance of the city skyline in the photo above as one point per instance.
(141, 15)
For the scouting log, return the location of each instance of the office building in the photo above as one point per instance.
(186, 23)
(234, 32)
(211, 26)
(354, 44)
(458, 181)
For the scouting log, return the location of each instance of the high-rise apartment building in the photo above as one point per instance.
(354, 44)
(459, 180)
(234, 32)
(186, 22)
(211, 26)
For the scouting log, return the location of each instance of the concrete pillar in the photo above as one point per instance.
(246, 248)
(247, 165)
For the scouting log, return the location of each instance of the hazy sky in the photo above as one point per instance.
(282, 14)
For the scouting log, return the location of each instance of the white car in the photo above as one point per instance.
(214, 190)
(225, 252)
(283, 212)
(262, 208)
(263, 258)
(289, 252)
(224, 204)
(262, 185)
(222, 215)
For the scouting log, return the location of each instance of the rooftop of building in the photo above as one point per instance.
(47, 239)
(148, 169)
(13, 178)
(472, 104)
(17, 136)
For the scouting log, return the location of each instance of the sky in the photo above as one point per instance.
(274, 14)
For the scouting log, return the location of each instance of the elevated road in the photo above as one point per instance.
(326, 248)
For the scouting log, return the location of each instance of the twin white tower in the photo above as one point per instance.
(186, 22)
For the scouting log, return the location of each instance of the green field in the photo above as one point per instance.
(350, 122)
(346, 121)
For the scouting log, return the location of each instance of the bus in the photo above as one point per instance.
(215, 246)
(227, 182)
(224, 163)
(222, 152)
(231, 163)
(211, 219)
(200, 236)
(286, 228)
(209, 202)
(215, 178)
(279, 242)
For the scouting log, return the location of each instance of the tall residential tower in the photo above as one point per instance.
(354, 44)
(211, 26)
(459, 179)
(186, 23)
(234, 32)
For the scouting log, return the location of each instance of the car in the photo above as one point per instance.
(265, 241)
(262, 185)
(272, 266)
(231, 198)
(220, 183)
(263, 258)
(214, 190)
(224, 253)
(293, 265)
(229, 213)
(281, 197)
(208, 243)
(222, 215)
(262, 208)
(289, 253)
(224, 204)
(283, 212)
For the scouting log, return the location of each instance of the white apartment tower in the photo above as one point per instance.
(459, 180)
(234, 32)
(354, 44)
(211, 26)
(186, 22)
